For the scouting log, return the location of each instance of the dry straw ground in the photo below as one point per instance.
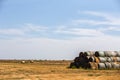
(51, 70)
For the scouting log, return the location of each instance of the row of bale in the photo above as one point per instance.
(97, 60)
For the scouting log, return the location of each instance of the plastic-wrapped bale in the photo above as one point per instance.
(23, 62)
(108, 65)
(83, 62)
(87, 66)
(107, 53)
(102, 59)
(80, 62)
(115, 65)
(81, 54)
(118, 53)
(97, 60)
(108, 59)
(118, 59)
(114, 59)
(72, 65)
(101, 66)
(89, 53)
(93, 65)
(111, 53)
(75, 65)
(77, 59)
(91, 59)
(87, 57)
(99, 54)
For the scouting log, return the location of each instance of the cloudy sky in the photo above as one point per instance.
(57, 29)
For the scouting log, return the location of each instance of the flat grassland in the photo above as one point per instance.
(51, 70)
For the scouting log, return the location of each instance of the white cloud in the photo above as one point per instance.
(109, 19)
(111, 23)
(107, 16)
(31, 27)
(110, 28)
(91, 22)
(47, 48)
(23, 30)
(99, 14)
(100, 31)
(81, 32)
(11, 32)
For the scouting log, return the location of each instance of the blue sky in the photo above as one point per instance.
(57, 29)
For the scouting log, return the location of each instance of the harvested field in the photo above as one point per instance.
(51, 70)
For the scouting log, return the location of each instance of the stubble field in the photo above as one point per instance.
(51, 70)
